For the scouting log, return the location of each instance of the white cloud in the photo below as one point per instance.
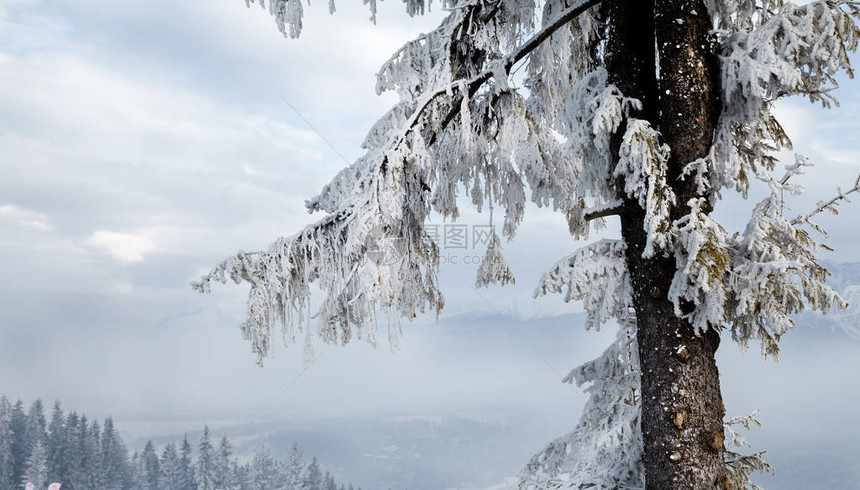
(9, 213)
(125, 247)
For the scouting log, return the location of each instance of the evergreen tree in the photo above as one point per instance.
(7, 458)
(171, 469)
(265, 473)
(225, 478)
(18, 424)
(150, 466)
(189, 479)
(114, 458)
(138, 480)
(243, 477)
(313, 479)
(84, 455)
(92, 460)
(56, 442)
(294, 468)
(36, 467)
(329, 483)
(36, 425)
(206, 468)
(73, 478)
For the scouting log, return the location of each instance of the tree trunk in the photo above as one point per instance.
(682, 410)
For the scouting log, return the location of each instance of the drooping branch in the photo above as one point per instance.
(502, 66)
(371, 243)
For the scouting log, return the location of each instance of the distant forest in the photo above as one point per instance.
(84, 455)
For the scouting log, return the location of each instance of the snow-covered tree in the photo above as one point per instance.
(92, 460)
(224, 465)
(294, 469)
(646, 111)
(329, 482)
(72, 457)
(264, 472)
(114, 458)
(36, 468)
(151, 470)
(171, 469)
(18, 425)
(185, 461)
(56, 439)
(34, 431)
(7, 458)
(206, 463)
(137, 478)
(243, 476)
(313, 479)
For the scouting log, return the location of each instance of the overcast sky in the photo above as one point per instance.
(142, 142)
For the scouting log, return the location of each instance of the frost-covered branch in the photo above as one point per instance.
(740, 466)
(289, 14)
(596, 275)
(502, 68)
(604, 450)
(778, 50)
(829, 205)
(774, 274)
(370, 255)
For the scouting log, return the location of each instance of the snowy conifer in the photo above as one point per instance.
(114, 458)
(224, 470)
(170, 477)
(264, 472)
(313, 479)
(7, 458)
(36, 468)
(294, 469)
(56, 439)
(137, 478)
(649, 111)
(189, 479)
(243, 476)
(329, 482)
(206, 462)
(18, 424)
(36, 425)
(72, 456)
(151, 470)
(92, 457)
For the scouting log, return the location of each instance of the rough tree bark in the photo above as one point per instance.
(682, 410)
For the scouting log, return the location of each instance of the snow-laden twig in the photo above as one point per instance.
(830, 205)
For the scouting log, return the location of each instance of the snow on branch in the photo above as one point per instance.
(370, 254)
(604, 450)
(642, 165)
(289, 14)
(781, 50)
(754, 282)
(774, 273)
(592, 111)
(568, 56)
(740, 466)
(494, 268)
(829, 205)
(702, 262)
(596, 275)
